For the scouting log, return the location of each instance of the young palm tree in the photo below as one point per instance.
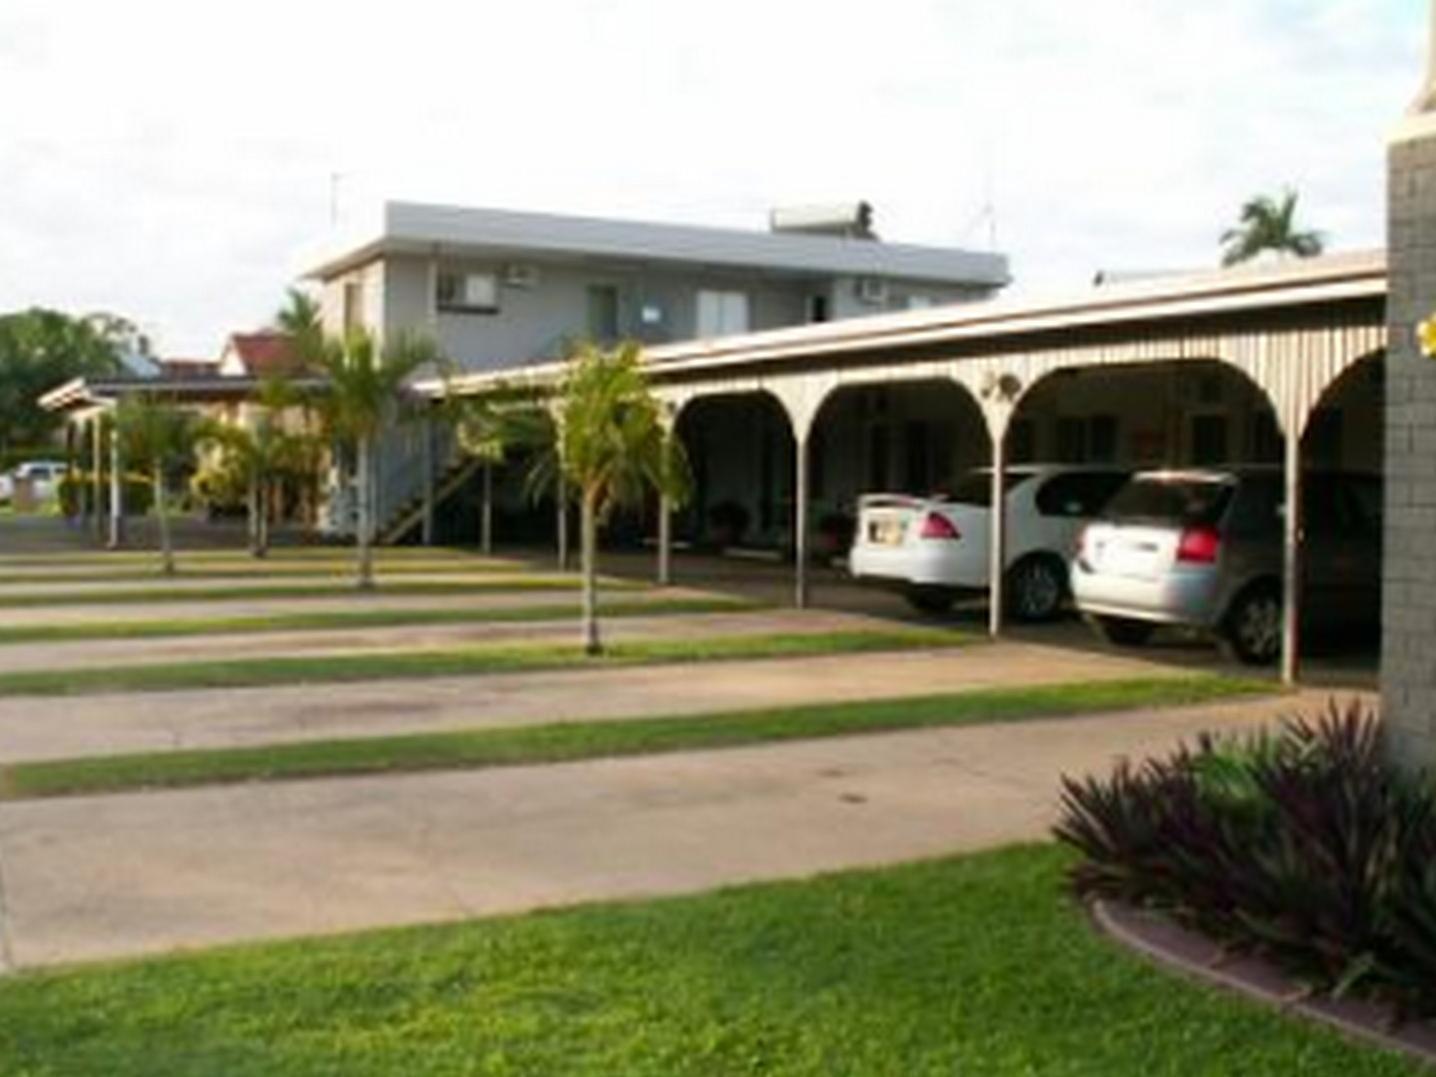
(488, 428)
(1268, 224)
(613, 448)
(365, 393)
(266, 452)
(160, 437)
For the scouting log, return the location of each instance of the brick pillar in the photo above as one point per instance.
(1408, 663)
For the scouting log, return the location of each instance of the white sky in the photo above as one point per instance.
(170, 161)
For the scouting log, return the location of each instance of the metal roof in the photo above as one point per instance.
(422, 229)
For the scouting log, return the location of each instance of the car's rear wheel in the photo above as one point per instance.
(1252, 630)
(1123, 631)
(1036, 588)
(930, 598)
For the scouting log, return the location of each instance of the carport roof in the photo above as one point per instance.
(81, 393)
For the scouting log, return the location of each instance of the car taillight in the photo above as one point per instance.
(1199, 545)
(938, 526)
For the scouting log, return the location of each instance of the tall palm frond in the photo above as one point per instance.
(1269, 224)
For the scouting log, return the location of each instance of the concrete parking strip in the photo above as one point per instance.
(90, 654)
(58, 728)
(340, 602)
(92, 878)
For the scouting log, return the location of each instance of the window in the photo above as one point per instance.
(1021, 442)
(1102, 439)
(353, 305)
(1209, 440)
(817, 308)
(603, 312)
(474, 293)
(1071, 440)
(720, 313)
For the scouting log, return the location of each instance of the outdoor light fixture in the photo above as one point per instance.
(1426, 337)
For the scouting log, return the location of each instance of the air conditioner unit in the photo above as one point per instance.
(519, 275)
(872, 290)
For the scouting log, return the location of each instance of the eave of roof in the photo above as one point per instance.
(418, 229)
(85, 393)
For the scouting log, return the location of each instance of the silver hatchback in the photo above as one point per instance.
(1203, 549)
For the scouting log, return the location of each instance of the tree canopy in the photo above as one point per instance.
(41, 349)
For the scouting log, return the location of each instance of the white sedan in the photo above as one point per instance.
(936, 548)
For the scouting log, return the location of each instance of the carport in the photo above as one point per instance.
(1259, 354)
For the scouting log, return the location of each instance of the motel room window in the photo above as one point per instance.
(353, 305)
(1209, 440)
(603, 312)
(469, 293)
(720, 313)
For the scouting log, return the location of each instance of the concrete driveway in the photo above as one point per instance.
(59, 727)
(91, 878)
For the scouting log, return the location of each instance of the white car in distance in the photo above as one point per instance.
(934, 549)
(44, 477)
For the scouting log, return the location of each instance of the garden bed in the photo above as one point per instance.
(1198, 957)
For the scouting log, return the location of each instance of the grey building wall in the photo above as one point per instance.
(533, 321)
(1408, 663)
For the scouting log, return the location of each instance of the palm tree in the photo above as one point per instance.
(265, 452)
(161, 437)
(300, 318)
(1268, 224)
(613, 448)
(364, 393)
(488, 428)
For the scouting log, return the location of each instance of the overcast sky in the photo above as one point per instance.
(172, 161)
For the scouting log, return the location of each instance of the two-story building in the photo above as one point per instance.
(500, 289)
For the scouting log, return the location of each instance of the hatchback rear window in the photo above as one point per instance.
(1187, 502)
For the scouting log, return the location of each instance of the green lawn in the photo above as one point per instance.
(337, 586)
(378, 617)
(970, 966)
(309, 568)
(564, 741)
(434, 662)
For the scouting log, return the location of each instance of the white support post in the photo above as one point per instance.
(1291, 556)
(97, 484)
(562, 511)
(486, 511)
(427, 432)
(997, 539)
(117, 493)
(800, 522)
(665, 541)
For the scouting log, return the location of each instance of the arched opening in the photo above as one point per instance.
(740, 452)
(1273, 535)
(1343, 449)
(902, 437)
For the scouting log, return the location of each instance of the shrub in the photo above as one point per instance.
(1307, 846)
(139, 494)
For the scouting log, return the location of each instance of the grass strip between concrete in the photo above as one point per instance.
(339, 586)
(466, 661)
(311, 569)
(568, 741)
(319, 620)
(967, 965)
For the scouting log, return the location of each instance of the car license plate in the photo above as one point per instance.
(886, 532)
